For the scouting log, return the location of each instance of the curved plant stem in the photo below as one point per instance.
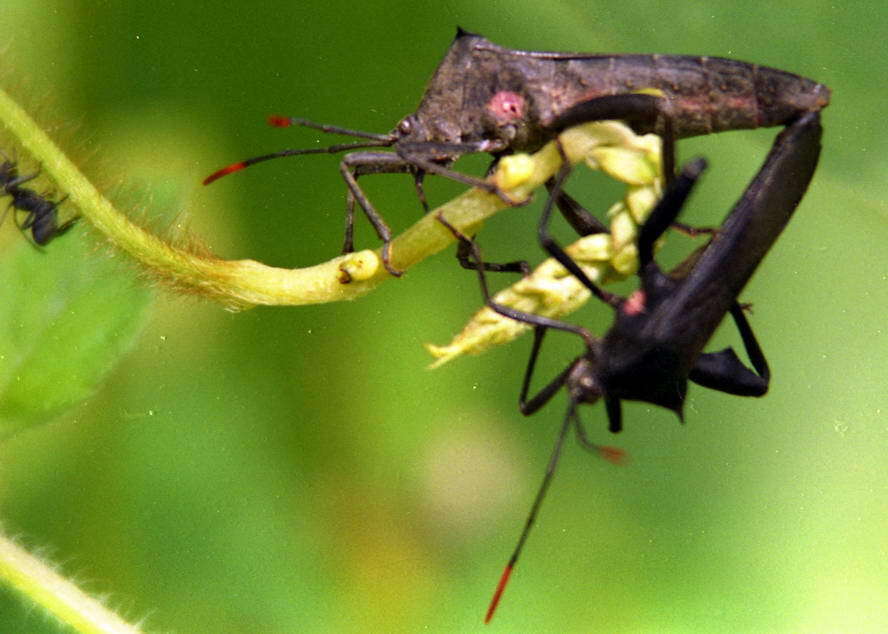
(246, 283)
(42, 585)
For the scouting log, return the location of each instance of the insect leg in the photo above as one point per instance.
(418, 177)
(750, 343)
(12, 185)
(581, 219)
(360, 164)
(6, 211)
(529, 406)
(511, 313)
(644, 113)
(65, 226)
(723, 370)
(24, 201)
(45, 227)
(555, 250)
(463, 253)
(667, 209)
(432, 167)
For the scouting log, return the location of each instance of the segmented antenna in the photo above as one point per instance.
(376, 140)
(611, 454)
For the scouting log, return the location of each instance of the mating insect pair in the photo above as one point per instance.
(41, 214)
(486, 98)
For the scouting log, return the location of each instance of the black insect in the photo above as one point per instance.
(41, 214)
(656, 342)
(486, 98)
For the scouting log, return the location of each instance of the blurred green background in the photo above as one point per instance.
(297, 469)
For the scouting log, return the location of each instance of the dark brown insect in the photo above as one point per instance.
(486, 98)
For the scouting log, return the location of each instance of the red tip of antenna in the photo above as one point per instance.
(504, 579)
(279, 122)
(234, 167)
(613, 455)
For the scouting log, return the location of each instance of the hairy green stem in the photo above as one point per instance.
(42, 585)
(246, 283)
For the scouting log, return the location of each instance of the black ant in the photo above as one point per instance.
(41, 214)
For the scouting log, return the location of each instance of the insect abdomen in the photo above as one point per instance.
(713, 94)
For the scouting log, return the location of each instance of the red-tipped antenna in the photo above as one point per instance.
(279, 121)
(611, 454)
(234, 167)
(378, 140)
(504, 579)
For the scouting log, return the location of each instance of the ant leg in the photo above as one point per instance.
(24, 225)
(65, 226)
(5, 212)
(45, 227)
(13, 184)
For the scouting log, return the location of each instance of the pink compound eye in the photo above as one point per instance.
(506, 106)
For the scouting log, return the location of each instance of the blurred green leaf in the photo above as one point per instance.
(294, 470)
(68, 314)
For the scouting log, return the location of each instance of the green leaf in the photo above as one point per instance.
(68, 313)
